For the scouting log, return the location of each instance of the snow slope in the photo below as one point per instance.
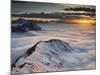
(51, 55)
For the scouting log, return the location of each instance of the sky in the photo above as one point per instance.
(38, 7)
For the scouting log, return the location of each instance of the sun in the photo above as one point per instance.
(84, 22)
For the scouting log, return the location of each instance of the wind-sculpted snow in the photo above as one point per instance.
(51, 55)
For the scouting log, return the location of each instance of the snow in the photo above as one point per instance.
(54, 58)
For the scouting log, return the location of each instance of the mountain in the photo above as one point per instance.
(50, 56)
(44, 56)
(22, 25)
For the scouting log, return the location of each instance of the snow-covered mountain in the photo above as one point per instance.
(47, 56)
(42, 57)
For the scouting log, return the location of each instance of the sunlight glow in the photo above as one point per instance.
(84, 22)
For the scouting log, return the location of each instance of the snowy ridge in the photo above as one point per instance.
(47, 56)
(44, 51)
